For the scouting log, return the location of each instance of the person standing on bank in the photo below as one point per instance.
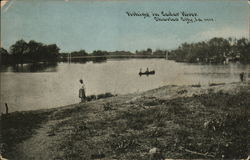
(242, 76)
(82, 93)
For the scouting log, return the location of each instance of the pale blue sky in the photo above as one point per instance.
(93, 25)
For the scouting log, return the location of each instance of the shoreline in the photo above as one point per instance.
(104, 96)
(176, 119)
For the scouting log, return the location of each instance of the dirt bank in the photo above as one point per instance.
(183, 121)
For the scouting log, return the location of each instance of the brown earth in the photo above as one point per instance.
(183, 121)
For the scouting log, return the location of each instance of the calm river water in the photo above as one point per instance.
(58, 84)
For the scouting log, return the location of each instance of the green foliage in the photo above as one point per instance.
(145, 52)
(3, 52)
(3, 56)
(100, 53)
(19, 126)
(216, 50)
(243, 47)
(23, 52)
(79, 53)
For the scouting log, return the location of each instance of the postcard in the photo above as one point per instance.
(124, 79)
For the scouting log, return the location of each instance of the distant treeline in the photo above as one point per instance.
(148, 53)
(31, 52)
(215, 50)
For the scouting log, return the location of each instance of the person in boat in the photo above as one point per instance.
(147, 70)
(82, 93)
(140, 71)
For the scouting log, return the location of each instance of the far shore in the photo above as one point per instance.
(182, 121)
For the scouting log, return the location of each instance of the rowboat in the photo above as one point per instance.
(147, 72)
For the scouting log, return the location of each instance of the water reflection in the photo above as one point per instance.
(47, 67)
(30, 67)
(58, 84)
(99, 60)
(85, 60)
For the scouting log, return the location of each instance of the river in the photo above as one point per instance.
(31, 88)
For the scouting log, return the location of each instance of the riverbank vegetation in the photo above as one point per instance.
(215, 50)
(17, 127)
(22, 52)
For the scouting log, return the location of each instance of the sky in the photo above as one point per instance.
(104, 24)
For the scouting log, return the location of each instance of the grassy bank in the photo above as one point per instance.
(19, 126)
(183, 121)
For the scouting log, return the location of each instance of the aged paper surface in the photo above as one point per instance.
(123, 79)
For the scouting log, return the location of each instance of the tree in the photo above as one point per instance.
(53, 52)
(79, 53)
(100, 53)
(35, 51)
(19, 51)
(53, 49)
(149, 50)
(3, 52)
(243, 48)
(4, 56)
(145, 52)
(215, 50)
